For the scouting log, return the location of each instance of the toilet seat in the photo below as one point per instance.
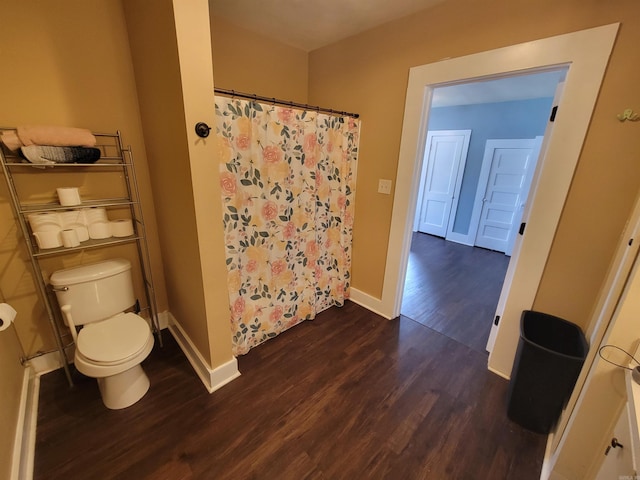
(114, 340)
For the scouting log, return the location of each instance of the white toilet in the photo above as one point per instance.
(111, 344)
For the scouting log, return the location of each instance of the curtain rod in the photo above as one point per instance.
(253, 96)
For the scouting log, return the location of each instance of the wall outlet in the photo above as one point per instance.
(384, 186)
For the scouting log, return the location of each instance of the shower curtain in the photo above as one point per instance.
(288, 184)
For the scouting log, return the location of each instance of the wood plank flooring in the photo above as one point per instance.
(453, 288)
(349, 395)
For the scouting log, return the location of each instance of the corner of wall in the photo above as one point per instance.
(212, 378)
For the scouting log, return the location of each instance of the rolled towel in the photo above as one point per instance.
(48, 155)
(56, 136)
(11, 140)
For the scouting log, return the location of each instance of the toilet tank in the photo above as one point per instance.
(96, 291)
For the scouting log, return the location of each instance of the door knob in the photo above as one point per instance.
(614, 444)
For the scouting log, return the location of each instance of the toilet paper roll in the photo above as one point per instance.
(48, 238)
(99, 230)
(68, 196)
(70, 238)
(94, 214)
(7, 315)
(71, 218)
(82, 232)
(44, 221)
(122, 227)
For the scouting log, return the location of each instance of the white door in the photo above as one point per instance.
(445, 156)
(505, 191)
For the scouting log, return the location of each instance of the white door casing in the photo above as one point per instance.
(445, 157)
(586, 53)
(503, 186)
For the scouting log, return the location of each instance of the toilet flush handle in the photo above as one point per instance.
(66, 311)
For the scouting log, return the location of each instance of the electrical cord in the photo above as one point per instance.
(613, 363)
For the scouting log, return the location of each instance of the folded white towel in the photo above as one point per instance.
(56, 136)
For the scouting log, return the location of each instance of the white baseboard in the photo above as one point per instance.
(25, 439)
(549, 461)
(500, 374)
(365, 300)
(46, 363)
(212, 379)
(164, 319)
(463, 239)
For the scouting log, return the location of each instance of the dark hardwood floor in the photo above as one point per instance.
(453, 288)
(349, 395)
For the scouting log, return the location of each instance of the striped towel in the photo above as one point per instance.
(48, 155)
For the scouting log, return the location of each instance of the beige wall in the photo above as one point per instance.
(66, 63)
(368, 74)
(11, 381)
(252, 63)
(173, 63)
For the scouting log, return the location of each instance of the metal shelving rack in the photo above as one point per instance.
(114, 156)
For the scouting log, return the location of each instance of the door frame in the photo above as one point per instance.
(459, 175)
(586, 54)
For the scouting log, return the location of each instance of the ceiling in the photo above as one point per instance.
(519, 87)
(309, 25)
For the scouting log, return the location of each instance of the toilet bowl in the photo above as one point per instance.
(111, 343)
(116, 364)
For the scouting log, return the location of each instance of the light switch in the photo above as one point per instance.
(384, 186)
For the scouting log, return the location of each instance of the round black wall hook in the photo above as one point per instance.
(202, 129)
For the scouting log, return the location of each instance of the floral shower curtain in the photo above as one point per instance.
(288, 186)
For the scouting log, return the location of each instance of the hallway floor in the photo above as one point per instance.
(453, 288)
(349, 395)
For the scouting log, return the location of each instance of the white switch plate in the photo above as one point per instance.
(384, 186)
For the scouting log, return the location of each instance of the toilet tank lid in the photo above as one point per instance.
(89, 273)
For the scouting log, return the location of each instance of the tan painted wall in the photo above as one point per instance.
(182, 168)
(193, 31)
(252, 63)
(368, 74)
(66, 63)
(10, 392)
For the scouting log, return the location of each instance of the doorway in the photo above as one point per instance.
(586, 53)
(452, 286)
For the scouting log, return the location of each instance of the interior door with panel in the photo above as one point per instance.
(445, 157)
(506, 186)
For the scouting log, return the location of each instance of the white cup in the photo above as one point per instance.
(122, 227)
(48, 238)
(68, 196)
(99, 230)
(70, 238)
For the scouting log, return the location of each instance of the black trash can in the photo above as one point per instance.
(551, 352)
